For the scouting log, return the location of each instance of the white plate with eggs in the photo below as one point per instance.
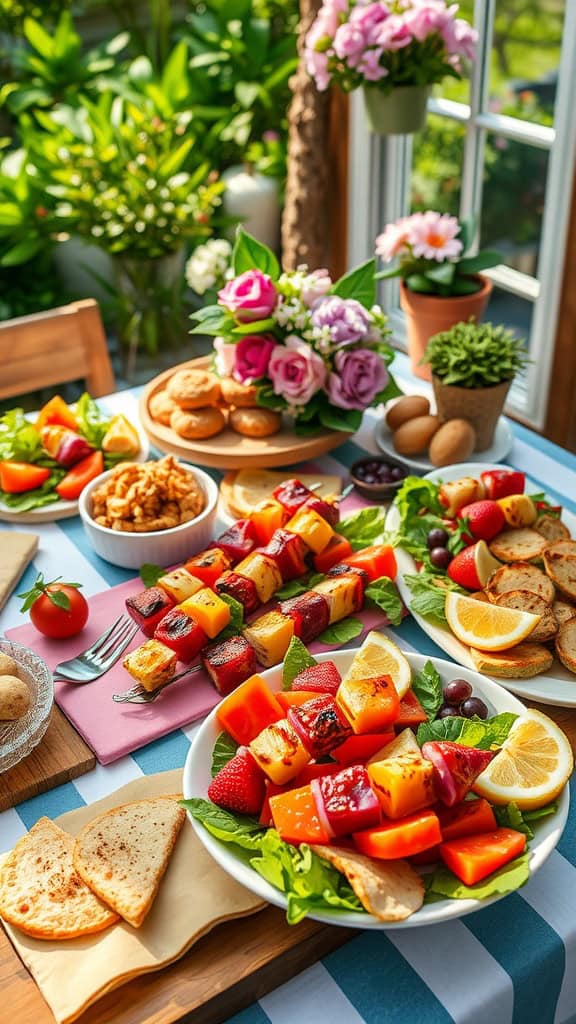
(421, 427)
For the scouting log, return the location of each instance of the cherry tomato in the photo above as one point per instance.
(57, 609)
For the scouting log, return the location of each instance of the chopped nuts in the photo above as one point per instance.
(140, 497)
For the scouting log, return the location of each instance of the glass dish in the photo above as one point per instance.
(18, 738)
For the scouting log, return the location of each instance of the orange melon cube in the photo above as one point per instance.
(403, 784)
(207, 609)
(370, 705)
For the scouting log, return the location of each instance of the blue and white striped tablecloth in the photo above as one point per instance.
(512, 963)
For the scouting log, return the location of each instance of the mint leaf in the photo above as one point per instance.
(224, 750)
(291, 589)
(296, 659)
(511, 816)
(509, 878)
(249, 254)
(341, 632)
(229, 828)
(470, 732)
(427, 686)
(364, 528)
(541, 812)
(151, 573)
(427, 598)
(236, 623)
(384, 594)
(497, 729)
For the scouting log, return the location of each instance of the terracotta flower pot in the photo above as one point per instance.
(399, 112)
(427, 315)
(482, 407)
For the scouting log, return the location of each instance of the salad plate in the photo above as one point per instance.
(557, 686)
(233, 860)
(498, 450)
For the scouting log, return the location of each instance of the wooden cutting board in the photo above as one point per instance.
(223, 973)
(60, 756)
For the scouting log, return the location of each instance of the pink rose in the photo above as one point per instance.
(361, 376)
(368, 19)
(252, 357)
(349, 44)
(296, 371)
(371, 67)
(251, 296)
(394, 33)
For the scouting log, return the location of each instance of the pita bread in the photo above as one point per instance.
(243, 490)
(123, 854)
(42, 894)
(520, 576)
(389, 890)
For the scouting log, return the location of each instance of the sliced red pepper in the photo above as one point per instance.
(500, 483)
(357, 749)
(71, 487)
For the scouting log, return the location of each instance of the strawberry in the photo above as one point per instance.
(323, 678)
(240, 785)
(483, 519)
(456, 768)
(471, 567)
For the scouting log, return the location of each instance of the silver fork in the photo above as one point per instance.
(138, 695)
(100, 656)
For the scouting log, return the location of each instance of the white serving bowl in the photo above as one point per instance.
(162, 547)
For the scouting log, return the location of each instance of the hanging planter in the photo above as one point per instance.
(400, 112)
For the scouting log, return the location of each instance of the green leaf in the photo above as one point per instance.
(236, 623)
(482, 261)
(427, 686)
(364, 528)
(22, 252)
(39, 38)
(509, 878)
(296, 659)
(383, 593)
(358, 284)
(291, 589)
(59, 599)
(511, 816)
(223, 752)
(470, 732)
(420, 283)
(229, 828)
(442, 274)
(151, 573)
(250, 254)
(247, 93)
(255, 327)
(340, 419)
(341, 632)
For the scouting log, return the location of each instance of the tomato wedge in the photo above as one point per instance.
(411, 711)
(18, 477)
(248, 710)
(473, 858)
(56, 412)
(81, 474)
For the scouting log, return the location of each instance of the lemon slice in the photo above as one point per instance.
(488, 627)
(379, 656)
(533, 765)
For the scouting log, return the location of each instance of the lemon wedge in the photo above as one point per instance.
(488, 627)
(532, 766)
(379, 656)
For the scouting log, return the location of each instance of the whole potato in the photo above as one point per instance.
(407, 408)
(14, 698)
(415, 435)
(8, 667)
(453, 442)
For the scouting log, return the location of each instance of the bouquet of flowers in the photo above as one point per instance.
(315, 349)
(430, 248)
(390, 43)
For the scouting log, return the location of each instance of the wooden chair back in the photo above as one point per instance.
(55, 347)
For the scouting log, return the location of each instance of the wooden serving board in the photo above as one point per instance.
(229, 450)
(60, 756)
(224, 972)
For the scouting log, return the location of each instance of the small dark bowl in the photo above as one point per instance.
(377, 490)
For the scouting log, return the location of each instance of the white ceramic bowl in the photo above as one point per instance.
(162, 547)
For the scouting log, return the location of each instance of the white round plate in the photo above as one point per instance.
(498, 450)
(557, 686)
(197, 778)
(63, 509)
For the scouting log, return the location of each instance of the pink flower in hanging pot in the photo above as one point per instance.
(250, 296)
(394, 33)
(252, 355)
(371, 67)
(349, 44)
(433, 236)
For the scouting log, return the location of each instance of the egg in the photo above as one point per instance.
(415, 435)
(407, 408)
(15, 698)
(453, 442)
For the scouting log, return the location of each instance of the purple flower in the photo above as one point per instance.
(252, 357)
(296, 371)
(361, 376)
(347, 319)
(251, 296)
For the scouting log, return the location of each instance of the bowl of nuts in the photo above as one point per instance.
(161, 512)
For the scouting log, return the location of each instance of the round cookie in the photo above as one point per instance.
(195, 424)
(255, 422)
(194, 389)
(243, 396)
(161, 407)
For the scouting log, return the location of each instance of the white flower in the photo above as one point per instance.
(208, 265)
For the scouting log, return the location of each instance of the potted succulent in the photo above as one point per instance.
(395, 51)
(440, 285)
(473, 366)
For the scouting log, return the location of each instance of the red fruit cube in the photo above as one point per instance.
(346, 800)
(320, 725)
(310, 613)
(288, 551)
(238, 541)
(456, 768)
(239, 786)
(148, 607)
(324, 677)
(240, 588)
(292, 494)
(208, 565)
(181, 634)
(327, 509)
(229, 663)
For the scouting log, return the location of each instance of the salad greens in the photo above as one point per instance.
(365, 527)
(442, 884)
(296, 659)
(224, 750)
(483, 733)
(383, 594)
(429, 595)
(427, 686)
(341, 632)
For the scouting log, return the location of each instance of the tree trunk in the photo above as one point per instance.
(305, 219)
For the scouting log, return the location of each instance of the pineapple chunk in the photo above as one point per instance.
(121, 438)
(207, 609)
(404, 743)
(179, 584)
(341, 592)
(312, 528)
(263, 572)
(152, 664)
(280, 752)
(370, 705)
(403, 784)
(519, 510)
(270, 636)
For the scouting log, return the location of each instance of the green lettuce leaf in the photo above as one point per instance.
(442, 883)
(341, 632)
(427, 686)
(229, 828)
(470, 732)
(427, 598)
(19, 439)
(224, 750)
(383, 593)
(296, 659)
(92, 422)
(364, 528)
